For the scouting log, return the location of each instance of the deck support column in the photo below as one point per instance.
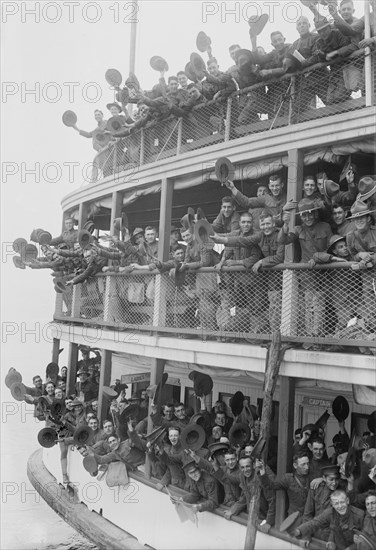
(104, 380)
(72, 368)
(55, 350)
(110, 293)
(76, 293)
(285, 439)
(156, 372)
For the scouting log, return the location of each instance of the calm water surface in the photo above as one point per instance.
(27, 522)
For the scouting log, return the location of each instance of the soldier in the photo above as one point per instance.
(173, 456)
(203, 488)
(362, 247)
(69, 236)
(340, 519)
(101, 127)
(341, 225)
(228, 218)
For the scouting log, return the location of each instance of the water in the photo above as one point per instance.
(27, 522)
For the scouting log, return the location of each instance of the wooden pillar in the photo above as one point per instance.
(290, 297)
(110, 294)
(156, 372)
(76, 295)
(368, 65)
(104, 380)
(72, 368)
(167, 190)
(55, 350)
(285, 439)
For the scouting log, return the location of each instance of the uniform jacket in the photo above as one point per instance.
(221, 224)
(204, 492)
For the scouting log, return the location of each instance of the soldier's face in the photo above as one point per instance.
(168, 412)
(98, 116)
(108, 428)
(113, 443)
(317, 450)
(114, 111)
(213, 69)
(150, 236)
(246, 467)
(173, 86)
(194, 474)
(275, 187)
(180, 413)
(346, 11)
(230, 461)
(302, 466)
(371, 506)
(302, 26)
(183, 80)
(309, 187)
(233, 50)
(68, 224)
(361, 223)
(308, 218)
(339, 216)
(246, 224)
(261, 191)
(278, 41)
(331, 482)
(220, 419)
(38, 382)
(179, 255)
(187, 236)
(227, 209)
(217, 432)
(267, 226)
(340, 504)
(174, 437)
(93, 424)
(341, 249)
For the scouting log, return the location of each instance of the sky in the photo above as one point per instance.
(54, 57)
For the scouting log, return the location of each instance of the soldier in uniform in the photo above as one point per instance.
(202, 487)
(228, 218)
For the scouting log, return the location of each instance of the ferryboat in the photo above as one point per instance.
(153, 181)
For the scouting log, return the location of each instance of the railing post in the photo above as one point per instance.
(55, 350)
(292, 99)
(368, 76)
(72, 368)
(228, 119)
(290, 293)
(104, 380)
(110, 297)
(180, 134)
(142, 147)
(59, 305)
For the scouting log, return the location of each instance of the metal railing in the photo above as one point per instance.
(318, 91)
(327, 305)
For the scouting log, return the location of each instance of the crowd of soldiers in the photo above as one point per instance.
(216, 457)
(335, 223)
(207, 86)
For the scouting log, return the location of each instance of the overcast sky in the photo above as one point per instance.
(54, 57)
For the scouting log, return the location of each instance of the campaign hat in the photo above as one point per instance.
(333, 240)
(113, 77)
(218, 446)
(290, 523)
(203, 229)
(331, 188)
(198, 65)
(47, 437)
(203, 42)
(115, 123)
(137, 231)
(202, 383)
(366, 187)
(258, 449)
(200, 215)
(348, 166)
(83, 435)
(193, 437)
(369, 458)
(158, 63)
(257, 23)
(331, 469)
(17, 260)
(52, 370)
(350, 462)
(188, 219)
(69, 118)
(198, 418)
(109, 392)
(239, 433)
(371, 422)
(57, 407)
(367, 542)
(224, 170)
(132, 82)
(19, 244)
(89, 226)
(83, 370)
(59, 286)
(122, 96)
(29, 253)
(190, 72)
(243, 56)
(90, 464)
(11, 377)
(84, 238)
(101, 139)
(341, 458)
(340, 408)
(307, 205)
(236, 403)
(18, 391)
(322, 420)
(321, 22)
(114, 104)
(131, 411)
(189, 465)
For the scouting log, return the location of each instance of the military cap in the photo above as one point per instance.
(330, 470)
(366, 187)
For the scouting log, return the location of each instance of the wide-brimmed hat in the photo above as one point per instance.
(101, 139)
(341, 458)
(83, 435)
(224, 170)
(307, 205)
(90, 464)
(202, 383)
(84, 238)
(218, 446)
(190, 72)
(57, 407)
(236, 403)
(188, 219)
(132, 82)
(348, 166)
(350, 462)
(239, 434)
(114, 104)
(18, 390)
(69, 118)
(115, 123)
(203, 229)
(322, 420)
(198, 65)
(113, 77)
(290, 523)
(109, 392)
(47, 437)
(312, 428)
(189, 465)
(369, 458)
(366, 187)
(366, 541)
(243, 56)
(52, 370)
(138, 231)
(333, 240)
(321, 22)
(330, 188)
(12, 377)
(17, 260)
(130, 412)
(29, 253)
(359, 209)
(203, 42)
(257, 23)
(19, 244)
(89, 226)
(198, 418)
(158, 63)
(193, 437)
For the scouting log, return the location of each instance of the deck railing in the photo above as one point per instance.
(319, 91)
(310, 306)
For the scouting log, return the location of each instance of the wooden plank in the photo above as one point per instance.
(72, 368)
(104, 380)
(55, 350)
